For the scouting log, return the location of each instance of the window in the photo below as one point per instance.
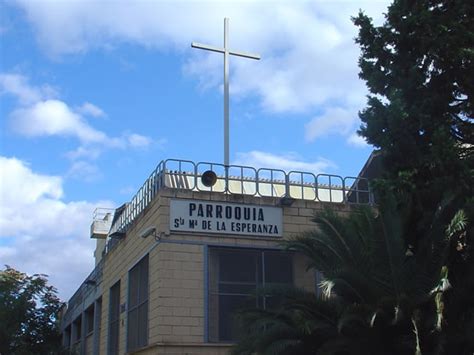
(137, 324)
(97, 324)
(90, 320)
(234, 275)
(77, 330)
(67, 337)
(114, 319)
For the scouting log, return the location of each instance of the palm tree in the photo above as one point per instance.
(377, 296)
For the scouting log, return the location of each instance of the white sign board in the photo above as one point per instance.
(225, 218)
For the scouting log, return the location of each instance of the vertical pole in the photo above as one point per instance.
(206, 293)
(226, 92)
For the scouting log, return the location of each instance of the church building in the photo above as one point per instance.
(192, 246)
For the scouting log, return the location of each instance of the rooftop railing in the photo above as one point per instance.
(244, 180)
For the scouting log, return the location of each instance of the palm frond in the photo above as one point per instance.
(375, 291)
(457, 224)
(299, 317)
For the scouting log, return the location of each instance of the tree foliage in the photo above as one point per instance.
(378, 297)
(29, 310)
(418, 67)
(400, 282)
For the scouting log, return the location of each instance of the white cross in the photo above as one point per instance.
(226, 52)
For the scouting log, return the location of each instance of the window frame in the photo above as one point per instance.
(113, 349)
(89, 319)
(77, 330)
(142, 302)
(213, 276)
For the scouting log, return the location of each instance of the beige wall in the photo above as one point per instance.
(176, 271)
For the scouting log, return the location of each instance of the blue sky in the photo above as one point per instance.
(94, 94)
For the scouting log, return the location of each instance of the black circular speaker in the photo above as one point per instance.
(209, 178)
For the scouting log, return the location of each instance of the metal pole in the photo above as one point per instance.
(226, 92)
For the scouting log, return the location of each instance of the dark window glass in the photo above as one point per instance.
(132, 336)
(137, 322)
(67, 337)
(77, 329)
(234, 277)
(133, 287)
(228, 305)
(90, 320)
(143, 281)
(143, 319)
(238, 266)
(278, 267)
(114, 319)
(246, 289)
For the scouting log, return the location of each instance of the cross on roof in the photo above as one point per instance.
(227, 52)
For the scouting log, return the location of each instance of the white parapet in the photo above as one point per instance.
(101, 222)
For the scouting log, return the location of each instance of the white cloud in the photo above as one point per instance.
(54, 117)
(18, 85)
(89, 109)
(309, 58)
(139, 141)
(67, 261)
(38, 186)
(332, 121)
(36, 221)
(286, 162)
(82, 152)
(40, 116)
(357, 141)
(84, 171)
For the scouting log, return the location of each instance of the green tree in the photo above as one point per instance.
(29, 310)
(379, 298)
(401, 282)
(418, 67)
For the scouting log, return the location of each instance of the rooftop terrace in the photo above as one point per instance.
(243, 180)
